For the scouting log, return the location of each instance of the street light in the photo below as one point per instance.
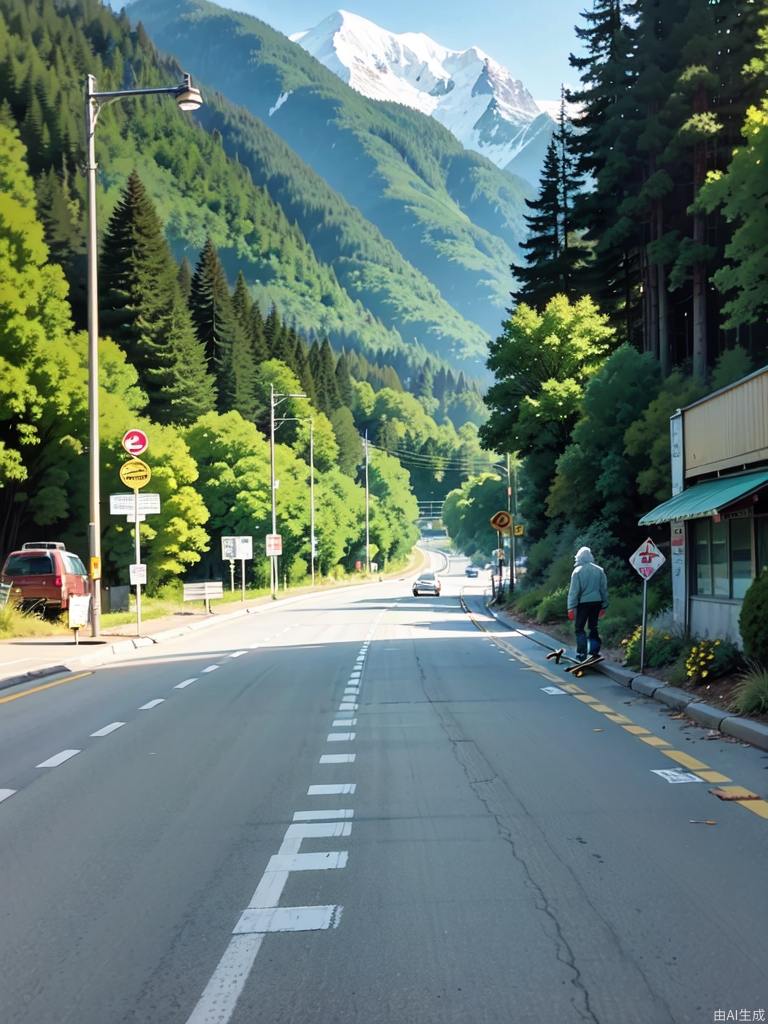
(187, 98)
(275, 399)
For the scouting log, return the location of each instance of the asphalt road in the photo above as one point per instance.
(371, 812)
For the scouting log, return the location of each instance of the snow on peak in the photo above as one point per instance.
(474, 96)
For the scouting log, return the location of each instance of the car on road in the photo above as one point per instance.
(472, 572)
(43, 574)
(427, 583)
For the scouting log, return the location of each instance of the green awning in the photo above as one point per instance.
(707, 499)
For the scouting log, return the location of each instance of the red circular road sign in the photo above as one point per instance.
(135, 442)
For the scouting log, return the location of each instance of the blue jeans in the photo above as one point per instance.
(586, 616)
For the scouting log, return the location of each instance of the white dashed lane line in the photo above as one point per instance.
(237, 654)
(5, 793)
(152, 704)
(211, 668)
(337, 758)
(57, 759)
(341, 737)
(345, 812)
(185, 682)
(335, 789)
(108, 729)
(343, 721)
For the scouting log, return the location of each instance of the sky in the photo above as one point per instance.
(530, 37)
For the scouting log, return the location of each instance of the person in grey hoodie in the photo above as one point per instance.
(587, 601)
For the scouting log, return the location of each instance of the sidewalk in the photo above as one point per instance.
(710, 717)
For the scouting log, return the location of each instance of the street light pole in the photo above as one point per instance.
(187, 98)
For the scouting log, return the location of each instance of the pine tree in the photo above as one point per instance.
(256, 334)
(138, 292)
(344, 384)
(190, 391)
(301, 363)
(185, 279)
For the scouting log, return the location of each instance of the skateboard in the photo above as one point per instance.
(576, 668)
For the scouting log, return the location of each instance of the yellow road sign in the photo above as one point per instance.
(519, 530)
(135, 474)
(501, 520)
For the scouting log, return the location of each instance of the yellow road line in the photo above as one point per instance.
(602, 709)
(686, 760)
(654, 741)
(759, 807)
(713, 777)
(585, 698)
(638, 730)
(619, 719)
(45, 686)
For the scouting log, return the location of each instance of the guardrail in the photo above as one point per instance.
(206, 590)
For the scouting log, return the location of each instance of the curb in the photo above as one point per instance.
(134, 643)
(754, 733)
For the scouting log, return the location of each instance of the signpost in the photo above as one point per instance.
(136, 474)
(646, 561)
(274, 545)
(238, 549)
(5, 592)
(501, 521)
(78, 611)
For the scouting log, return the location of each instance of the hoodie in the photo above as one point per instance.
(588, 582)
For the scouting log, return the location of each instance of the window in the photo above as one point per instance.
(741, 556)
(761, 523)
(722, 555)
(29, 565)
(74, 565)
(702, 556)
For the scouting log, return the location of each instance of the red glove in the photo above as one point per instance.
(571, 614)
(601, 613)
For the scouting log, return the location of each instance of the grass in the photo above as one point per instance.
(752, 694)
(16, 623)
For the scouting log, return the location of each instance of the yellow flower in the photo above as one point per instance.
(704, 674)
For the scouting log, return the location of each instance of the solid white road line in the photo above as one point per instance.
(238, 654)
(211, 668)
(337, 758)
(108, 729)
(318, 830)
(287, 919)
(217, 1003)
(342, 812)
(341, 737)
(152, 704)
(337, 789)
(185, 682)
(308, 861)
(57, 759)
(343, 721)
(5, 793)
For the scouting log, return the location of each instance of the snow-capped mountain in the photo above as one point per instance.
(475, 97)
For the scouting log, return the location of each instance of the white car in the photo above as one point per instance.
(427, 583)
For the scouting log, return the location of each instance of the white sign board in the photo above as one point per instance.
(647, 559)
(123, 504)
(274, 544)
(138, 575)
(78, 608)
(237, 549)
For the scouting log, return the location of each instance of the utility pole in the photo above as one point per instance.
(367, 511)
(312, 497)
(512, 576)
(272, 558)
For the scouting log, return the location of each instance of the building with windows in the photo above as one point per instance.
(718, 512)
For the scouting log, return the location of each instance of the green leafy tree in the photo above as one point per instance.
(467, 511)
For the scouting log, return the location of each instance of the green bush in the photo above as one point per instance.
(661, 647)
(622, 615)
(526, 600)
(709, 659)
(552, 607)
(752, 694)
(753, 621)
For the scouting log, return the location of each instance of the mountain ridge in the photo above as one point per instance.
(474, 96)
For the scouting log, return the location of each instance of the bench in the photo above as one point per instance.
(206, 590)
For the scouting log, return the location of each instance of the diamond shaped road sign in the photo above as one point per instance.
(647, 559)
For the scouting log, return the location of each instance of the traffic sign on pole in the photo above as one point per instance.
(135, 474)
(274, 544)
(647, 560)
(122, 504)
(135, 441)
(501, 520)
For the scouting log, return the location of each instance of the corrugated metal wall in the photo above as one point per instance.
(728, 430)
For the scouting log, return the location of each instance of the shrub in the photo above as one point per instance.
(661, 647)
(526, 600)
(621, 617)
(708, 659)
(552, 607)
(752, 694)
(753, 621)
